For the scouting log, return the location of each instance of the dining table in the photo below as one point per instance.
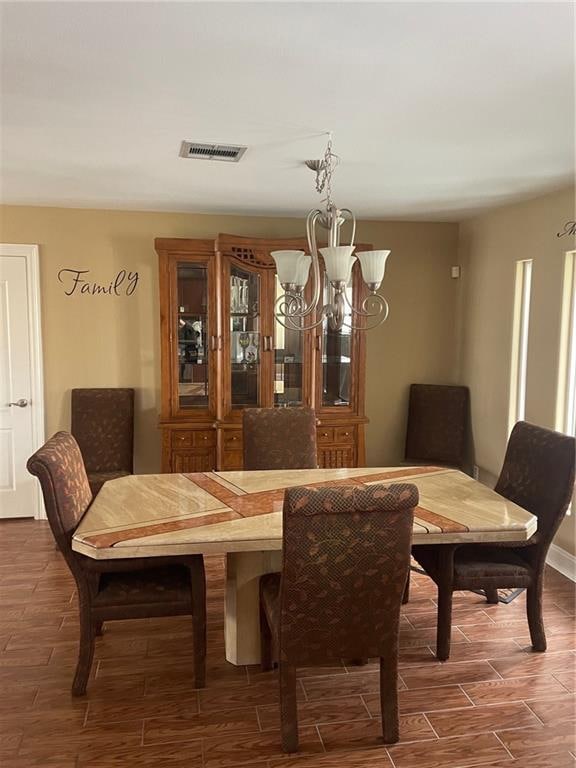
(239, 514)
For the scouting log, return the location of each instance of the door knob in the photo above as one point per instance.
(22, 403)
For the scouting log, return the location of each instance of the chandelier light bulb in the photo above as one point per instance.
(373, 266)
(287, 266)
(338, 261)
(303, 270)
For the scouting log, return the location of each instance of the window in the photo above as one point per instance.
(517, 407)
(566, 403)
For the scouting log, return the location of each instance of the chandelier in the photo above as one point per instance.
(301, 310)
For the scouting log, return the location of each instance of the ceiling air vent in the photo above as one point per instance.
(227, 153)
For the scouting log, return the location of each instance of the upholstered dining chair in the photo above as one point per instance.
(114, 589)
(102, 422)
(279, 438)
(437, 429)
(346, 553)
(538, 475)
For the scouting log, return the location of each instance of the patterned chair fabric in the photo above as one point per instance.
(113, 589)
(346, 555)
(537, 474)
(279, 438)
(103, 425)
(59, 467)
(437, 431)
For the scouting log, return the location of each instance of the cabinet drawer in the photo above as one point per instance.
(233, 440)
(191, 438)
(325, 435)
(182, 438)
(344, 435)
(204, 438)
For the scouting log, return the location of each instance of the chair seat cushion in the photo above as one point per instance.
(478, 565)
(270, 596)
(170, 584)
(477, 561)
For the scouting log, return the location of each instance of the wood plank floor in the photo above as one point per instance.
(494, 704)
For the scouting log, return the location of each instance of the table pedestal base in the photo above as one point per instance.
(242, 622)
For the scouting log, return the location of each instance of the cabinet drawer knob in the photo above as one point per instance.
(205, 437)
(324, 434)
(346, 434)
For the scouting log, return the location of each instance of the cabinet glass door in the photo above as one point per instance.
(288, 361)
(336, 358)
(245, 337)
(192, 336)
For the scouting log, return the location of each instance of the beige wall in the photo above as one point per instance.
(490, 245)
(98, 341)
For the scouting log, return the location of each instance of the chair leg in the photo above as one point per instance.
(389, 698)
(491, 595)
(288, 708)
(86, 651)
(267, 661)
(534, 612)
(199, 622)
(444, 628)
(406, 595)
(445, 589)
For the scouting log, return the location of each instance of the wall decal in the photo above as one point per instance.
(569, 229)
(76, 282)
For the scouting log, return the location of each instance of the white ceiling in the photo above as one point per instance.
(437, 109)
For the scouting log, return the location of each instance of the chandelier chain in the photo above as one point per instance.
(325, 171)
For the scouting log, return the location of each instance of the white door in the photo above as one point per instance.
(20, 395)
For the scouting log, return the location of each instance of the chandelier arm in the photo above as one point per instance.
(288, 314)
(383, 306)
(311, 220)
(368, 326)
(353, 220)
(291, 305)
(290, 326)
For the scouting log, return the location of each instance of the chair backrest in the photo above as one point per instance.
(279, 438)
(437, 428)
(59, 467)
(103, 425)
(345, 564)
(538, 474)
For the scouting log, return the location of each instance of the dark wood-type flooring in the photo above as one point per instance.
(494, 704)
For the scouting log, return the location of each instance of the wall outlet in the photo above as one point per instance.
(475, 471)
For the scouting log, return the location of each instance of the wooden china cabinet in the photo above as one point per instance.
(223, 351)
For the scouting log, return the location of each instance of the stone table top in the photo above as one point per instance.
(211, 512)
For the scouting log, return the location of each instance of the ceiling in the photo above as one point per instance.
(437, 109)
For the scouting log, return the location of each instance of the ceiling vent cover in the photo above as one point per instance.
(227, 153)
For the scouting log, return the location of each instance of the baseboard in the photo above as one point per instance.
(562, 561)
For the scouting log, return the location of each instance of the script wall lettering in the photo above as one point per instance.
(76, 281)
(569, 229)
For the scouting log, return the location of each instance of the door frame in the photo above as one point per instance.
(31, 254)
